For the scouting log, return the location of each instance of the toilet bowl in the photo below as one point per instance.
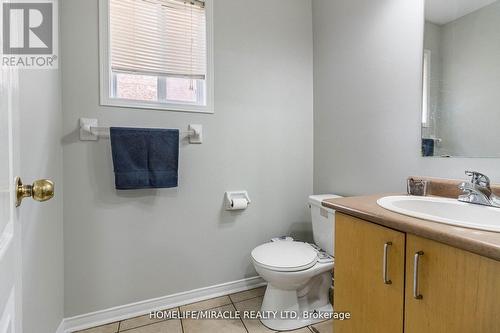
(299, 275)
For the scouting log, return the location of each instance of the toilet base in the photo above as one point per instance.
(294, 309)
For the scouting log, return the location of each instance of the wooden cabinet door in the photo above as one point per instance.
(460, 291)
(375, 306)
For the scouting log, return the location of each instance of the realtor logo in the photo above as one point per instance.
(28, 31)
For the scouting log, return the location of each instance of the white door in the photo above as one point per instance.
(10, 233)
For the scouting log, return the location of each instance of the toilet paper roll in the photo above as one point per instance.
(238, 204)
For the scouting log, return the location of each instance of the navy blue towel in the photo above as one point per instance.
(145, 158)
(427, 147)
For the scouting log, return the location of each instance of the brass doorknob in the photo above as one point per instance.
(41, 190)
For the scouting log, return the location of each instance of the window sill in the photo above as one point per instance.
(124, 103)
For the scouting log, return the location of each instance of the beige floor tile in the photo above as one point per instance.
(140, 321)
(244, 295)
(208, 304)
(169, 326)
(324, 327)
(109, 328)
(252, 325)
(214, 326)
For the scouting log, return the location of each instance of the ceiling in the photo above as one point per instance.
(445, 11)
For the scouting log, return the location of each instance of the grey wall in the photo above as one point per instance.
(470, 111)
(122, 247)
(367, 99)
(42, 223)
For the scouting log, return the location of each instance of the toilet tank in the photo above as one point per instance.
(323, 222)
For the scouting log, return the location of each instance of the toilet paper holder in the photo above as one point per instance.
(236, 200)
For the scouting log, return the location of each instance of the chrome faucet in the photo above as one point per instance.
(478, 190)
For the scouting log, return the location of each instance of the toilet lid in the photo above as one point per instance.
(285, 256)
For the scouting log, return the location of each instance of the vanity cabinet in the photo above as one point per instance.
(460, 291)
(433, 287)
(373, 295)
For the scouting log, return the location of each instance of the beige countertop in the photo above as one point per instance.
(365, 207)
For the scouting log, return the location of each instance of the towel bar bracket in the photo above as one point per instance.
(195, 134)
(91, 131)
(86, 133)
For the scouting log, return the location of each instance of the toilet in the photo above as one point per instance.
(298, 274)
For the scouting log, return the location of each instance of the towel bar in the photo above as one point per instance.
(90, 131)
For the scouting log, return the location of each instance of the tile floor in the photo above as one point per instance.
(244, 301)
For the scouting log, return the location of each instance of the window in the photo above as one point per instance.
(426, 88)
(156, 54)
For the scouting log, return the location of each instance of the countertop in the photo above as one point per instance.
(480, 242)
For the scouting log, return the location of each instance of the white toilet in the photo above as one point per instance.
(298, 275)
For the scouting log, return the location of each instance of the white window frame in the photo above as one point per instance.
(107, 85)
(426, 88)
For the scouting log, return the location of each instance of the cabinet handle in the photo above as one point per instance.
(384, 263)
(416, 260)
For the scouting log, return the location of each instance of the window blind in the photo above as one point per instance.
(159, 37)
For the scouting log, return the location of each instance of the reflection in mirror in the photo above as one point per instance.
(461, 79)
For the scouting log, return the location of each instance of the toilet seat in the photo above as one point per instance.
(285, 256)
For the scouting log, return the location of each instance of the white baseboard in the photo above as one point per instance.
(122, 312)
(60, 329)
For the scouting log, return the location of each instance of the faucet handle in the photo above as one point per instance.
(478, 178)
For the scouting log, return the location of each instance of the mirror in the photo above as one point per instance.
(461, 79)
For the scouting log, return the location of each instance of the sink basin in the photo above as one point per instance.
(444, 210)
